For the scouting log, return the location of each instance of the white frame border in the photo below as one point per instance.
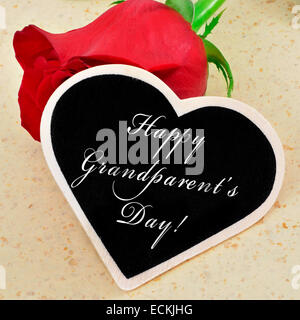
(181, 107)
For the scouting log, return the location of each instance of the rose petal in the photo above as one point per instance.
(143, 33)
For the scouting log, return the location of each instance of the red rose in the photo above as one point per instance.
(142, 33)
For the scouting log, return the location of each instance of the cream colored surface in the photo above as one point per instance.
(44, 250)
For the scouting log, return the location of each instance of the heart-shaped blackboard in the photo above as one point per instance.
(153, 179)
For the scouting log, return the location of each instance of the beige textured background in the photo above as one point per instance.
(42, 246)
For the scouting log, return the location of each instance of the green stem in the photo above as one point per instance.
(204, 9)
(215, 56)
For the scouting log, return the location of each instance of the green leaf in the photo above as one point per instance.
(210, 26)
(184, 7)
(204, 9)
(117, 2)
(215, 56)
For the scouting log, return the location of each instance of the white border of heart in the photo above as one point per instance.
(181, 107)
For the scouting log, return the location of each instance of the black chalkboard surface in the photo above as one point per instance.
(155, 184)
